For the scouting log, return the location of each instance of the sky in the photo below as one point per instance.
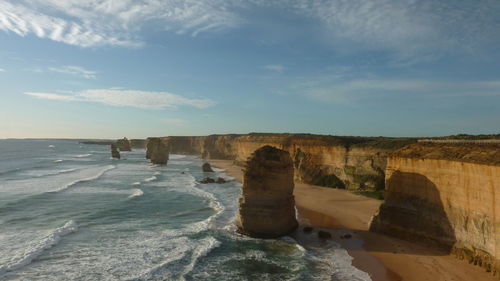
(114, 68)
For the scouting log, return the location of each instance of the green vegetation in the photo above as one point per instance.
(329, 180)
(377, 194)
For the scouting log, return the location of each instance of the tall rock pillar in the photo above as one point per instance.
(267, 204)
(157, 151)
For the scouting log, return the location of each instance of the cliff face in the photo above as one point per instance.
(445, 195)
(267, 205)
(357, 162)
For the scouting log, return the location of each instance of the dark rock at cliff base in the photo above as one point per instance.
(207, 168)
(307, 229)
(123, 145)
(157, 151)
(346, 236)
(114, 151)
(267, 205)
(207, 180)
(324, 234)
(211, 180)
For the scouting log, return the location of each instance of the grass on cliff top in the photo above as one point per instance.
(376, 194)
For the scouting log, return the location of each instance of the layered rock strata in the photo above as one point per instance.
(267, 205)
(157, 151)
(358, 162)
(445, 195)
(123, 144)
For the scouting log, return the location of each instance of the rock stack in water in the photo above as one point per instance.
(207, 168)
(123, 145)
(157, 151)
(114, 151)
(267, 205)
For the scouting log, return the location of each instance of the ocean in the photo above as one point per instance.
(70, 212)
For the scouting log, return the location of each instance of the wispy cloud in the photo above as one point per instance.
(75, 70)
(175, 121)
(409, 28)
(89, 23)
(275, 67)
(341, 92)
(2, 70)
(129, 98)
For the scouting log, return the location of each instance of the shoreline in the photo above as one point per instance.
(381, 256)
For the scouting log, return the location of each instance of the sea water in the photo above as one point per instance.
(70, 212)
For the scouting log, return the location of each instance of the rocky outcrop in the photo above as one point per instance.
(138, 143)
(114, 151)
(157, 151)
(445, 195)
(267, 205)
(355, 162)
(207, 168)
(123, 144)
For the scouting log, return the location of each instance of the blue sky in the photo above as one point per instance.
(109, 68)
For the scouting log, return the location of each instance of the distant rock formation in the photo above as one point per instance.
(114, 151)
(267, 205)
(157, 151)
(123, 145)
(207, 168)
(211, 180)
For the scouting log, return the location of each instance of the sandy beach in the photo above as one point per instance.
(383, 257)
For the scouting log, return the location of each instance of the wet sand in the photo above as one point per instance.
(383, 257)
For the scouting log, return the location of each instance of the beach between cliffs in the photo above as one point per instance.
(383, 257)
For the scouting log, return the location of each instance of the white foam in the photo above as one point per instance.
(58, 161)
(93, 177)
(136, 183)
(51, 146)
(83, 155)
(176, 156)
(36, 248)
(207, 245)
(136, 192)
(150, 179)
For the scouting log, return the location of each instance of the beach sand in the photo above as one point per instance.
(383, 257)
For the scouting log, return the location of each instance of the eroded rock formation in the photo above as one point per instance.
(157, 151)
(207, 168)
(114, 151)
(123, 144)
(357, 162)
(445, 195)
(267, 205)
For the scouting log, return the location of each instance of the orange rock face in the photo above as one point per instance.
(437, 197)
(267, 205)
(157, 151)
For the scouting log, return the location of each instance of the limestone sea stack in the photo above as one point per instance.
(114, 151)
(123, 144)
(207, 168)
(157, 151)
(267, 205)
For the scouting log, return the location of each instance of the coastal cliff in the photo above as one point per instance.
(445, 195)
(344, 162)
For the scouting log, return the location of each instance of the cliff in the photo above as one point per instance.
(267, 205)
(138, 143)
(345, 162)
(445, 194)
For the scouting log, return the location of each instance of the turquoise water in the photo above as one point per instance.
(69, 212)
